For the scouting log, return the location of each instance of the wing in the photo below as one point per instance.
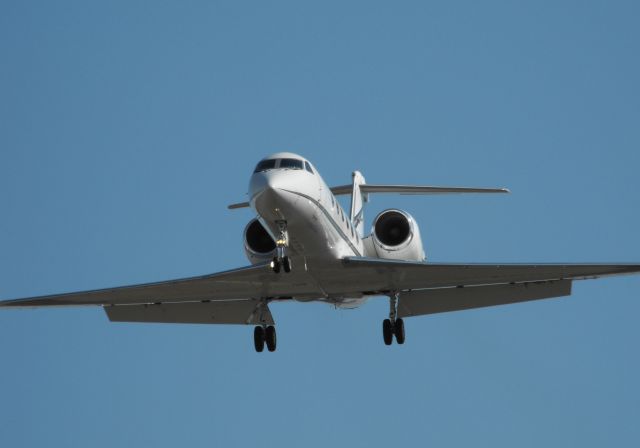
(252, 282)
(234, 296)
(226, 297)
(427, 288)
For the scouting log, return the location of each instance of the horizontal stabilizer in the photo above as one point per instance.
(399, 189)
(238, 205)
(413, 189)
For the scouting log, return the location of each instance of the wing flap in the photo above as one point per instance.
(430, 301)
(229, 312)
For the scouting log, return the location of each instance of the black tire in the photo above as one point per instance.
(398, 331)
(276, 265)
(258, 338)
(286, 264)
(270, 338)
(387, 332)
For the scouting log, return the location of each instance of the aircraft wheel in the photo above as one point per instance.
(286, 264)
(270, 337)
(398, 331)
(258, 338)
(275, 265)
(387, 332)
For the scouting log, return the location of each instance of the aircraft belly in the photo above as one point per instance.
(314, 242)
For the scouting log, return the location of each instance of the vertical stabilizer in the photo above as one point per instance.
(358, 198)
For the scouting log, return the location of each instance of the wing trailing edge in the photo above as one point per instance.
(228, 312)
(430, 301)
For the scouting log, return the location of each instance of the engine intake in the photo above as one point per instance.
(258, 244)
(396, 236)
(392, 228)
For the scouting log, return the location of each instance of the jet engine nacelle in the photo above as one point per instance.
(258, 244)
(396, 236)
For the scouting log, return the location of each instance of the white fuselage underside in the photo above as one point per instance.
(319, 231)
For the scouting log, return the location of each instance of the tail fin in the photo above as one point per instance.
(358, 198)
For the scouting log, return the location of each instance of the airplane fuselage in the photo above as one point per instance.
(319, 231)
(318, 226)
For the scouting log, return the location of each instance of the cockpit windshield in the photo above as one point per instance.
(288, 164)
(292, 164)
(265, 165)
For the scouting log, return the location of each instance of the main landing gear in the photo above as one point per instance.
(281, 260)
(262, 335)
(393, 326)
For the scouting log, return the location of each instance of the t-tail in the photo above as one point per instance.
(360, 190)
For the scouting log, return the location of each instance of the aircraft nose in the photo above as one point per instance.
(275, 181)
(267, 186)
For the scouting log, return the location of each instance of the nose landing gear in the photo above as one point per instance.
(279, 263)
(393, 326)
(281, 260)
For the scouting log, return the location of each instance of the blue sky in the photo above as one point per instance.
(127, 127)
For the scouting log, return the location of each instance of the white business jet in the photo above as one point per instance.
(303, 246)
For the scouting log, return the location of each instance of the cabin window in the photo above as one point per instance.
(264, 165)
(291, 164)
(307, 166)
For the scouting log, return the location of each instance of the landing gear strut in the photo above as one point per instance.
(279, 263)
(393, 326)
(281, 260)
(262, 335)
